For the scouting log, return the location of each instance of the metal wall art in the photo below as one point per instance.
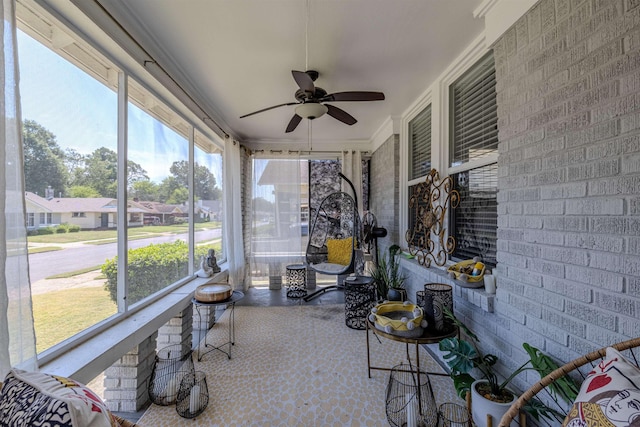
(428, 204)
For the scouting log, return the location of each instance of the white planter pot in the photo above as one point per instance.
(480, 407)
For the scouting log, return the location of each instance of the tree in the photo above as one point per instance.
(83, 191)
(43, 160)
(145, 190)
(205, 182)
(178, 196)
(101, 172)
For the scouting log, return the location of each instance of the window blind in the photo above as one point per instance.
(420, 144)
(474, 116)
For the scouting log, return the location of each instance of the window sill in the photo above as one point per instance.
(475, 296)
(89, 359)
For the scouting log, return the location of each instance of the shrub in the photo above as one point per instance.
(151, 269)
(46, 230)
(73, 228)
(62, 228)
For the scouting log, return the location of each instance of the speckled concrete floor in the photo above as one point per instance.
(296, 365)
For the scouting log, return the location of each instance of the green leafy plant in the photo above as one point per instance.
(463, 356)
(151, 268)
(386, 275)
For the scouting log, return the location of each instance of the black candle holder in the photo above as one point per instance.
(432, 299)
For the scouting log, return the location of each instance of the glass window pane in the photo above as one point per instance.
(70, 142)
(158, 182)
(474, 223)
(208, 198)
(420, 144)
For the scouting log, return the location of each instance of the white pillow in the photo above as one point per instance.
(36, 398)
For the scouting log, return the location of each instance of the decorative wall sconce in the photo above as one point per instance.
(429, 202)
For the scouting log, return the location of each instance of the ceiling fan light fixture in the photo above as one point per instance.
(311, 110)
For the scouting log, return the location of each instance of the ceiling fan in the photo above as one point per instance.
(311, 101)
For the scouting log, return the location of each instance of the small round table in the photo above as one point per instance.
(296, 281)
(231, 301)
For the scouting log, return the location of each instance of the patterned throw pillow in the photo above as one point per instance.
(609, 396)
(339, 250)
(39, 399)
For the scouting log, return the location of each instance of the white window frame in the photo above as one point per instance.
(438, 96)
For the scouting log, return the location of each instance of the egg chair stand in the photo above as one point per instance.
(334, 237)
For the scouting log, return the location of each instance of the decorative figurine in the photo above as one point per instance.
(212, 262)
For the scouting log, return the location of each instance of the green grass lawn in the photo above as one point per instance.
(59, 315)
(133, 233)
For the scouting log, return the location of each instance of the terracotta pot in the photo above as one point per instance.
(481, 407)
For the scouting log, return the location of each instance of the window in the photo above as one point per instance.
(473, 147)
(70, 108)
(420, 144)
(419, 162)
(45, 218)
(208, 197)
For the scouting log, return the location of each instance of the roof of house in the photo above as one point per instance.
(73, 204)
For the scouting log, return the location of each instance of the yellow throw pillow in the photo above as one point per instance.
(339, 250)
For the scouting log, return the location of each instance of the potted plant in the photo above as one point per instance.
(389, 282)
(489, 394)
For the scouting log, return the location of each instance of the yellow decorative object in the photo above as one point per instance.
(339, 251)
(397, 316)
(463, 271)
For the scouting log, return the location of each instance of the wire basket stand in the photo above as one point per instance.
(410, 401)
(193, 396)
(172, 364)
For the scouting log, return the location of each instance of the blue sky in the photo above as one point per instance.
(82, 113)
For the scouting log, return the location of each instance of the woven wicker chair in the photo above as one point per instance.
(578, 368)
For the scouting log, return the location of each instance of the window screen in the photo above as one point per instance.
(474, 118)
(420, 144)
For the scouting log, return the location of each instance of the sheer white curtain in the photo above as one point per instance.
(232, 225)
(17, 336)
(278, 238)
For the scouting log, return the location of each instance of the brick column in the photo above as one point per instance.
(177, 330)
(126, 381)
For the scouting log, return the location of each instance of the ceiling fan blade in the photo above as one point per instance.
(304, 81)
(293, 124)
(340, 114)
(268, 108)
(354, 96)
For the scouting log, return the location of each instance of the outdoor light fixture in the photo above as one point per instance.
(311, 110)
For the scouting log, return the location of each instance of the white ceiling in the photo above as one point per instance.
(236, 56)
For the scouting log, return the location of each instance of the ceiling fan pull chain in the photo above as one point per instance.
(310, 124)
(306, 40)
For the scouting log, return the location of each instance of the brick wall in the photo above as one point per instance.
(568, 87)
(384, 189)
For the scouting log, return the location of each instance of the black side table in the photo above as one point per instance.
(230, 302)
(359, 299)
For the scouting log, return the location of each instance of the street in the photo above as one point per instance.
(77, 256)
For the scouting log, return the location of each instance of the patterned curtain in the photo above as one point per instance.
(17, 335)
